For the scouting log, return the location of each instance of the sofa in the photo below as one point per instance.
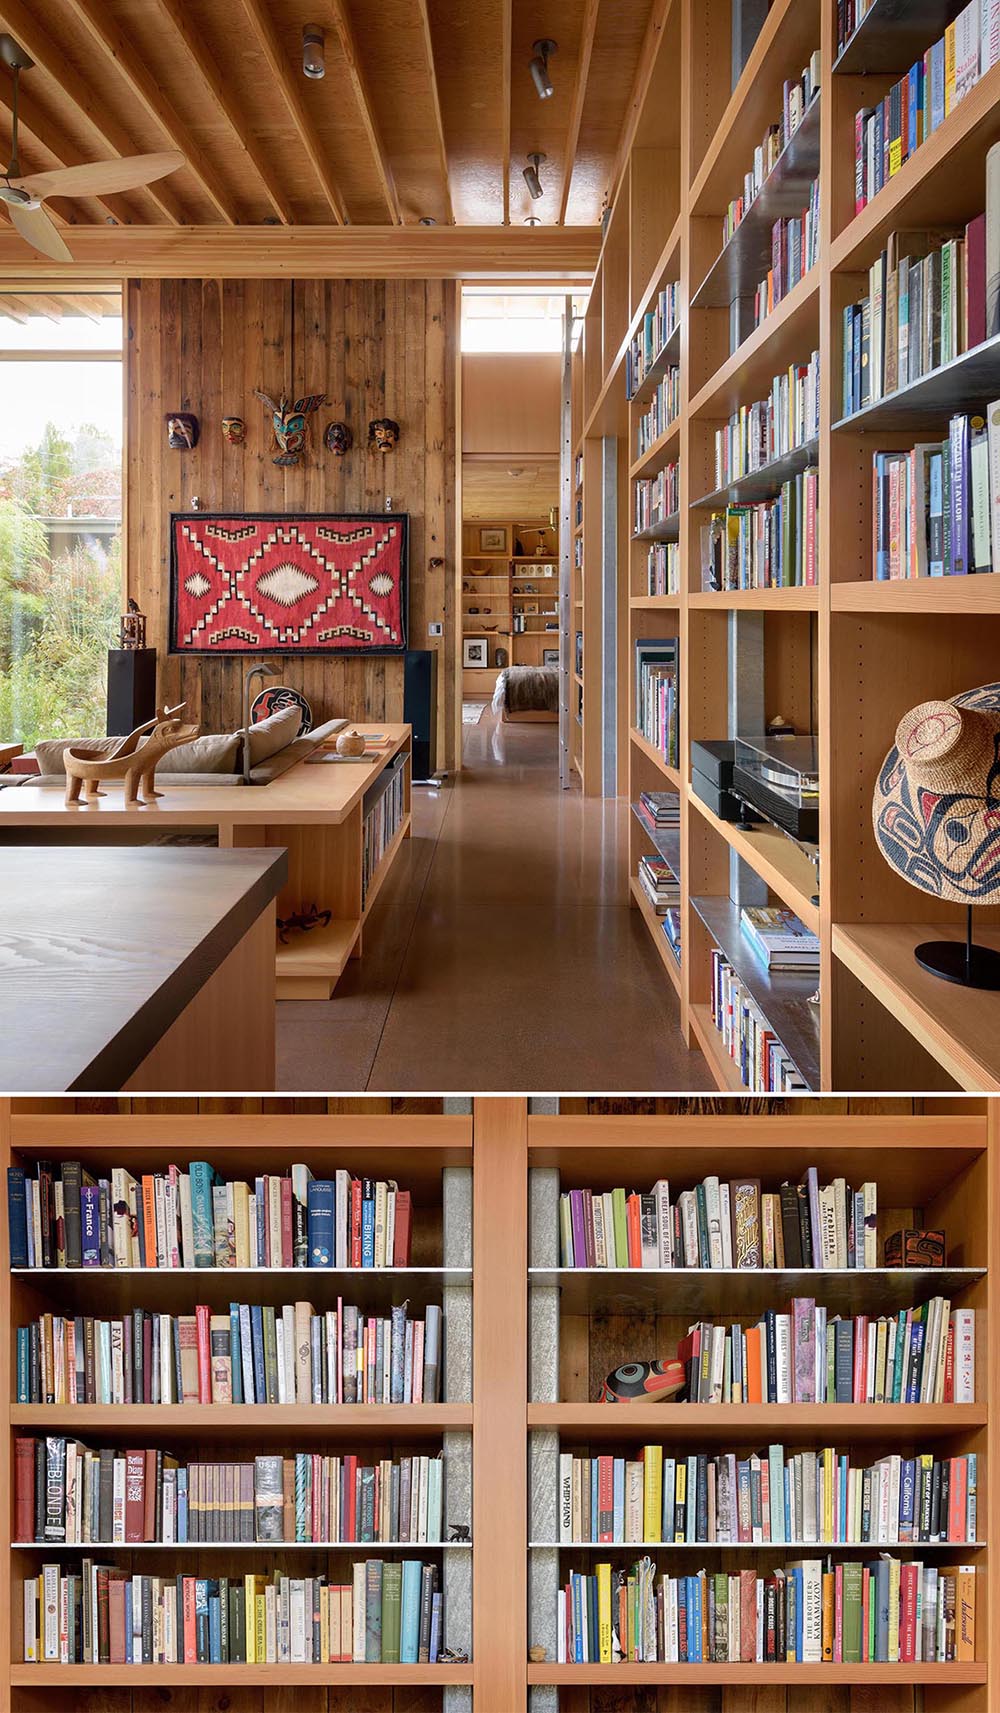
(213, 759)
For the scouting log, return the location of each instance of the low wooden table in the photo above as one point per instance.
(316, 811)
(137, 969)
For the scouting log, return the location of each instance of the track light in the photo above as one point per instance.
(531, 177)
(313, 51)
(532, 220)
(539, 67)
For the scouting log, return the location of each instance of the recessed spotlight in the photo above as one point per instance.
(313, 51)
(532, 220)
(427, 220)
(531, 177)
(539, 67)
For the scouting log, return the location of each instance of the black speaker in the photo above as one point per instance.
(420, 708)
(131, 689)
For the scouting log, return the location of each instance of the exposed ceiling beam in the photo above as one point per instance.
(116, 47)
(435, 92)
(359, 87)
(262, 25)
(567, 254)
(55, 144)
(36, 38)
(178, 15)
(13, 308)
(506, 49)
(588, 30)
(640, 86)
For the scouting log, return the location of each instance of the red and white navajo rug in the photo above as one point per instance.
(262, 584)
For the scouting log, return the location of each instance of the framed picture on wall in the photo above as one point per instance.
(493, 540)
(476, 653)
(288, 583)
(550, 657)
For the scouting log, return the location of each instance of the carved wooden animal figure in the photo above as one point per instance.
(289, 424)
(130, 761)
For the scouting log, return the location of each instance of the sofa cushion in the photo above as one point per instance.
(214, 752)
(50, 751)
(272, 734)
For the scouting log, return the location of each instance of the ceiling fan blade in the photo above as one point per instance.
(101, 178)
(37, 229)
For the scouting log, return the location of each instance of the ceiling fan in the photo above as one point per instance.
(24, 196)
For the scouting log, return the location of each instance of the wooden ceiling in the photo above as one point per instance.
(427, 109)
(94, 305)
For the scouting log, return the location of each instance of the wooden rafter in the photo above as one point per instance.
(506, 49)
(588, 30)
(266, 36)
(567, 254)
(640, 85)
(359, 86)
(178, 16)
(13, 308)
(428, 41)
(35, 123)
(102, 28)
(37, 40)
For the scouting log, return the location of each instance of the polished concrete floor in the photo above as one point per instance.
(502, 955)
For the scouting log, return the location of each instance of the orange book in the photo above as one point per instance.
(828, 1582)
(633, 1210)
(753, 1366)
(149, 1218)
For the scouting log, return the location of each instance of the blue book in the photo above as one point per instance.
(409, 1617)
(24, 1365)
(17, 1217)
(129, 1655)
(914, 92)
(882, 502)
(203, 1176)
(958, 447)
(844, 1476)
(914, 1363)
(970, 1496)
(618, 1524)
(260, 1208)
(90, 1224)
(897, 1377)
(319, 1222)
(776, 1472)
(368, 1224)
(937, 83)
(694, 1619)
(847, 404)
(795, 1610)
(577, 1593)
(182, 1506)
(434, 1647)
(235, 1346)
(880, 1577)
(682, 1602)
(259, 1370)
(201, 1617)
(594, 1507)
(214, 1630)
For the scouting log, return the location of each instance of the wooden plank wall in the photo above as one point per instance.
(376, 348)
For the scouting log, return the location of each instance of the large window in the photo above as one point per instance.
(60, 511)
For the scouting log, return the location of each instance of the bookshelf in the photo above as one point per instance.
(534, 1338)
(843, 657)
(509, 597)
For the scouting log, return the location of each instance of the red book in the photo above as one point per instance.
(135, 1495)
(865, 1595)
(838, 1614)
(287, 1240)
(149, 1503)
(765, 1500)
(403, 1229)
(975, 279)
(748, 1615)
(633, 1225)
(957, 1499)
(202, 1314)
(860, 1357)
(605, 1499)
(907, 1614)
(24, 1489)
(190, 1628)
(149, 1218)
(949, 1364)
(116, 1622)
(355, 1222)
(103, 1616)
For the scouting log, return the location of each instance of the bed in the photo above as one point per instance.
(527, 693)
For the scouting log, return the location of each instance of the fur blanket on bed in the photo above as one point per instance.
(521, 689)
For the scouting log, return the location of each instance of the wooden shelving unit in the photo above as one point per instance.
(936, 1166)
(494, 594)
(843, 658)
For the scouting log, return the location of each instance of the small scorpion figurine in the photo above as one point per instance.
(459, 1531)
(300, 921)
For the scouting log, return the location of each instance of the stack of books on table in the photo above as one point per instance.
(659, 883)
(780, 939)
(810, 1611)
(711, 1498)
(659, 810)
(387, 1614)
(723, 1224)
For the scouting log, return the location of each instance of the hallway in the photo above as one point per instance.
(502, 940)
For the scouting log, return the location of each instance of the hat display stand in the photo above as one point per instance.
(936, 815)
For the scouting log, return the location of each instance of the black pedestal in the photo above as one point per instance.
(969, 966)
(131, 689)
(420, 708)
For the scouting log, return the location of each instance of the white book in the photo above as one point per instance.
(989, 35)
(783, 1352)
(967, 52)
(965, 1356)
(160, 1219)
(246, 1355)
(561, 1626)
(187, 1220)
(72, 1492)
(928, 1367)
(827, 1227)
(170, 1506)
(50, 1612)
(600, 1244)
(254, 1255)
(839, 1191)
(870, 1362)
(812, 1621)
(993, 241)
(664, 1223)
(717, 1365)
(614, 1259)
(713, 1214)
(381, 1191)
(342, 1222)
(279, 1338)
(870, 1246)
(171, 1212)
(31, 1620)
(937, 1392)
(727, 1226)
(993, 446)
(33, 1221)
(689, 1227)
